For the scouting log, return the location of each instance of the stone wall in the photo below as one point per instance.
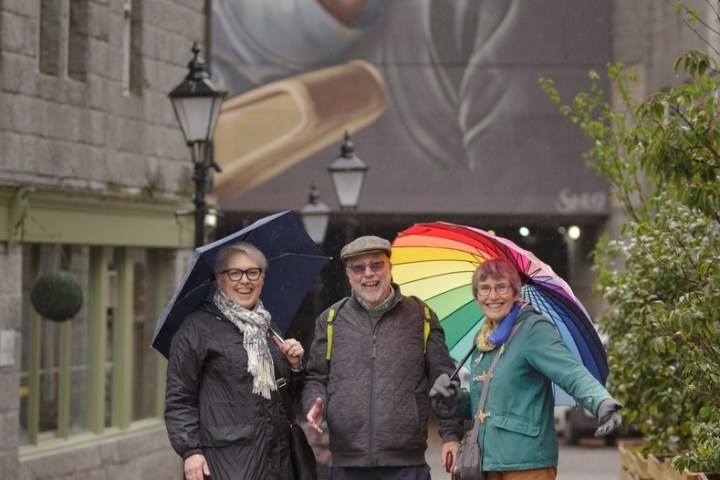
(143, 454)
(75, 118)
(95, 134)
(10, 303)
(650, 35)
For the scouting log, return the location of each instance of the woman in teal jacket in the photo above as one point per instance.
(517, 434)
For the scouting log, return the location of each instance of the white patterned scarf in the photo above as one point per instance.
(254, 324)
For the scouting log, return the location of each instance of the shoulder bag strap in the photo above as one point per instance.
(282, 387)
(486, 383)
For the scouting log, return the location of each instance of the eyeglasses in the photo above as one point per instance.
(500, 289)
(236, 274)
(375, 266)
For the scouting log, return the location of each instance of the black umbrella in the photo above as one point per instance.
(293, 263)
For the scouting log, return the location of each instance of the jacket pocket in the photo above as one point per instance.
(517, 425)
(221, 435)
(401, 422)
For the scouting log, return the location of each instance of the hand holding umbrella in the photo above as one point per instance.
(609, 418)
(445, 396)
(292, 349)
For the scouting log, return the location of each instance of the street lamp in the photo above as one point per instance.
(197, 103)
(348, 175)
(315, 216)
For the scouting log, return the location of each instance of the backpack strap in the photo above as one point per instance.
(329, 330)
(331, 315)
(426, 324)
(426, 327)
(335, 308)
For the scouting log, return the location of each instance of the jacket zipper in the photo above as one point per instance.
(371, 430)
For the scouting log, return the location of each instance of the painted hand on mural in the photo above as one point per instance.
(285, 64)
(442, 51)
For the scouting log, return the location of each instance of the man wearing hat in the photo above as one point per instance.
(372, 361)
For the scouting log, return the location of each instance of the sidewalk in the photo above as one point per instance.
(432, 456)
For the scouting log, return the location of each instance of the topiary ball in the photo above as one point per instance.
(56, 295)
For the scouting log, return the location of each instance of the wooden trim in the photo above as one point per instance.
(122, 385)
(64, 374)
(34, 354)
(160, 264)
(73, 218)
(97, 337)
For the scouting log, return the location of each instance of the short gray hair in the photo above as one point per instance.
(240, 247)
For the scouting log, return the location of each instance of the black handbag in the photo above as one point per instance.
(468, 464)
(303, 457)
(301, 453)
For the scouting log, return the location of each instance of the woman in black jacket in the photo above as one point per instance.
(223, 412)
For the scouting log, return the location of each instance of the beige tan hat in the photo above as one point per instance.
(366, 244)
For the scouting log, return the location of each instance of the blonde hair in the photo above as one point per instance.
(241, 247)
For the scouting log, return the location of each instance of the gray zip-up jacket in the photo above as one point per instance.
(375, 386)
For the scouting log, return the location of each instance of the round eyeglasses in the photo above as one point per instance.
(359, 268)
(236, 274)
(500, 289)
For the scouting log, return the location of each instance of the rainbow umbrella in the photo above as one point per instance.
(435, 261)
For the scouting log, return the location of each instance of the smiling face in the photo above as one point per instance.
(244, 292)
(372, 283)
(495, 305)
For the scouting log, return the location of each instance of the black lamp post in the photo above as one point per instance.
(197, 103)
(348, 176)
(315, 216)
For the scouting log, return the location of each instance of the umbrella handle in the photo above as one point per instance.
(460, 365)
(277, 335)
(449, 462)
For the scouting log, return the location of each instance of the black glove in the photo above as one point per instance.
(445, 396)
(609, 417)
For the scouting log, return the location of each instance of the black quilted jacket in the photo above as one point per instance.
(376, 385)
(210, 407)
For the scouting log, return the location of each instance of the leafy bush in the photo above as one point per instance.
(661, 278)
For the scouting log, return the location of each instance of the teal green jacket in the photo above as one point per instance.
(518, 432)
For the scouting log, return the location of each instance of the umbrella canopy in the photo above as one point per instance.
(294, 261)
(435, 261)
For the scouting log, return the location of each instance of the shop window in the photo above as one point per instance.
(97, 370)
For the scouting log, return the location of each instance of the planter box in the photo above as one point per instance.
(633, 466)
(640, 466)
(659, 469)
(626, 465)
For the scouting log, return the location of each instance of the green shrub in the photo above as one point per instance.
(661, 278)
